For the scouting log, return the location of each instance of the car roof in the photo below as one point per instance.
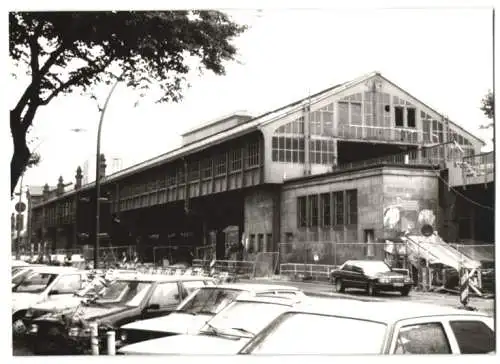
(251, 287)
(286, 301)
(382, 311)
(54, 269)
(132, 276)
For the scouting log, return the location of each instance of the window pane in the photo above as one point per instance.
(398, 116)
(411, 118)
(165, 294)
(428, 338)
(473, 337)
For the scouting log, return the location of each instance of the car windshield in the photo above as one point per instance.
(245, 318)
(208, 300)
(35, 282)
(374, 267)
(21, 275)
(93, 288)
(311, 334)
(129, 293)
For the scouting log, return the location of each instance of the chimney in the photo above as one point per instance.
(60, 186)
(46, 192)
(102, 166)
(78, 177)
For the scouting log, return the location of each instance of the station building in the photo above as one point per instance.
(327, 167)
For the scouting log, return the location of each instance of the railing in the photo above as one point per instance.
(432, 156)
(380, 133)
(320, 272)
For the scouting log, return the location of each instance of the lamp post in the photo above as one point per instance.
(98, 175)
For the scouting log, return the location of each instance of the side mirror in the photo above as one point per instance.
(153, 306)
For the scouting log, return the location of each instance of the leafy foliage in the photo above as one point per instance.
(64, 52)
(488, 108)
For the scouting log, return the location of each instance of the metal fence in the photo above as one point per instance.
(334, 254)
(233, 267)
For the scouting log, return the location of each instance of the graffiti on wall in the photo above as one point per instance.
(402, 214)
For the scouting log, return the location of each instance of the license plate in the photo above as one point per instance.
(398, 284)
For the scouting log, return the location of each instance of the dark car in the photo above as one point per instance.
(127, 299)
(372, 275)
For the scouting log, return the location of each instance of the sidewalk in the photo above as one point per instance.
(486, 305)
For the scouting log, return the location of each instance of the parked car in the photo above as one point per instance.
(128, 298)
(196, 310)
(372, 275)
(386, 327)
(225, 333)
(41, 285)
(91, 289)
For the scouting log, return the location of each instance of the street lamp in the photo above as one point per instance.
(98, 175)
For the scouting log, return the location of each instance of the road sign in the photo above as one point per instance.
(20, 207)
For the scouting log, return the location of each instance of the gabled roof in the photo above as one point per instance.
(244, 128)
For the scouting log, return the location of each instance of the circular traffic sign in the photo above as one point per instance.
(20, 207)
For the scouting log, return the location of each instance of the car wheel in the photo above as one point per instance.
(339, 285)
(405, 292)
(18, 327)
(370, 289)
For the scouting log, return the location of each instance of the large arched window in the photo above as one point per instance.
(288, 142)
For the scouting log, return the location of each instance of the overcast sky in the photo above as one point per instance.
(443, 57)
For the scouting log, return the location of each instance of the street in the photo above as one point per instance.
(324, 289)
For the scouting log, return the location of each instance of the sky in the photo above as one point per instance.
(441, 56)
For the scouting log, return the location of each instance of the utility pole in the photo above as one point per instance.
(98, 176)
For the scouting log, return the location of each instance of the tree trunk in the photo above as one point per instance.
(21, 154)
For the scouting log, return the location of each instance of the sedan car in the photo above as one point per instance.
(41, 285)
(132, 297)
(384, 327)
(372, 275)
(225, 333)
(196, 310)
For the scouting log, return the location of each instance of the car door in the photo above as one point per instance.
(65, 285)
(345, 274)
(164, 299)
(424, 335)
(358, 277)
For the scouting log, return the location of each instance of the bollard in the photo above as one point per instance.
(111, 342)
(94, 338)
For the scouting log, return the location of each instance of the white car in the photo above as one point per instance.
(226, 333)
(375, 328)
(199, 307)
(65, 302)
(43, 284)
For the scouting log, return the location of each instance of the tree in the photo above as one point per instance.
(64, 52)
(488, 108)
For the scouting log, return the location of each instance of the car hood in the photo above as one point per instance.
(22, 301)
(89, 313)
(60, 304)
(187, 345)
(176, 322)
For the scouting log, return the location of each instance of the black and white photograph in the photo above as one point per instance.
(265, 180)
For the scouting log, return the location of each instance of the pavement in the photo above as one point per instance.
(486, 305)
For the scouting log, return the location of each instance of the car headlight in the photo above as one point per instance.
(383, 280)
(33, 329)
(408, 280)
